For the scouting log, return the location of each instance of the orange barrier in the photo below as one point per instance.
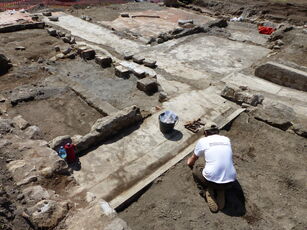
(27, 4)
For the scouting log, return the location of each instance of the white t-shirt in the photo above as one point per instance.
(217, 152)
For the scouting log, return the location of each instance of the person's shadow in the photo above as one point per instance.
(76, 165)
(235, 200)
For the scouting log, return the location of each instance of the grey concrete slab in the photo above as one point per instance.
(94, 33)
(113, 167)
(198, 57)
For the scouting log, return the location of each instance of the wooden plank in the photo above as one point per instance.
(231, 117)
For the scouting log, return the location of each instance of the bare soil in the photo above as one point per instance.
(293, 11)
(270, 193)
(65, 114)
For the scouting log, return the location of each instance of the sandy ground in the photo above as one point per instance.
(270, 164)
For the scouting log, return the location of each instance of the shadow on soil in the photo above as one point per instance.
(235, 201)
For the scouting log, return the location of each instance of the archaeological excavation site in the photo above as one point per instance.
(103, 102)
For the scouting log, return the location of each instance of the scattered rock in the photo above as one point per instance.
(5, 126)
(48, 14)
(163, 96)
(57, 48)
(35, 193)
(60, 56)
(88, 54)
(128, 55)
(60, 167)
(66, 51)
(60, 34)
(71, 55)
(124, 15)
(66, 39)
(57, 142)
(33, 132)
(183, 22)
(53, 18)
(149, 63)
(72, 40)
(300, 129)
(148, 85)
(47, 214)
(276, 47)
(20, 48)
(52, 32)
(138, 59)
(221, 23)
(21, 123)
(279, 42)
(86, 18)
(122, 72)
(5, 64)
(103, 61)
(46, 172)
(27, 180)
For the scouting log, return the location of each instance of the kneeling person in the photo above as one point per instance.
(219, 172)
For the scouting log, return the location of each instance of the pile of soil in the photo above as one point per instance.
(270, 192)
(293, 11)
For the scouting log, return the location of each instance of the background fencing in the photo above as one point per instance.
(27, 4)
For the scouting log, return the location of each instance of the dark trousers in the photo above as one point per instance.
(202, 183)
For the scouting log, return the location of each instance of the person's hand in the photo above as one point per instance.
(190, 163)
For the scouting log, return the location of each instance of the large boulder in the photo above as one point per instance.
(240, 96)
(47, 214)
(109, 126)
(276, 114)
(5, 126)
(5, 64)
(35, 194)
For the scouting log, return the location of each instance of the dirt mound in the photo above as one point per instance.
(278, 11)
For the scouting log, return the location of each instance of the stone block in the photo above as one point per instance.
(122, 72)
(80, 49)
(128, 55)
(46, 214)
(103, 61)
(5, 64)
(150, 63)
(53, 18)
(67, 50)
(124, 15)
(148, 85)
(138, 59)
(33, 132)
(19, 122)
(48, 14)
(88, 54)
(139, 72)
(5, 126)
(218, 23)
(283, 75)
(183, 22)
(52, 32)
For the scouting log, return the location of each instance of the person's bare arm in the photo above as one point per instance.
(191, 160)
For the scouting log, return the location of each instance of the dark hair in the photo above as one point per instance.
(212, 132)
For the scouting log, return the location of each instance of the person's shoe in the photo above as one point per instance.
(220, 199)
(211, 200)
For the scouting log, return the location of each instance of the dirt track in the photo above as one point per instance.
(270, 164)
